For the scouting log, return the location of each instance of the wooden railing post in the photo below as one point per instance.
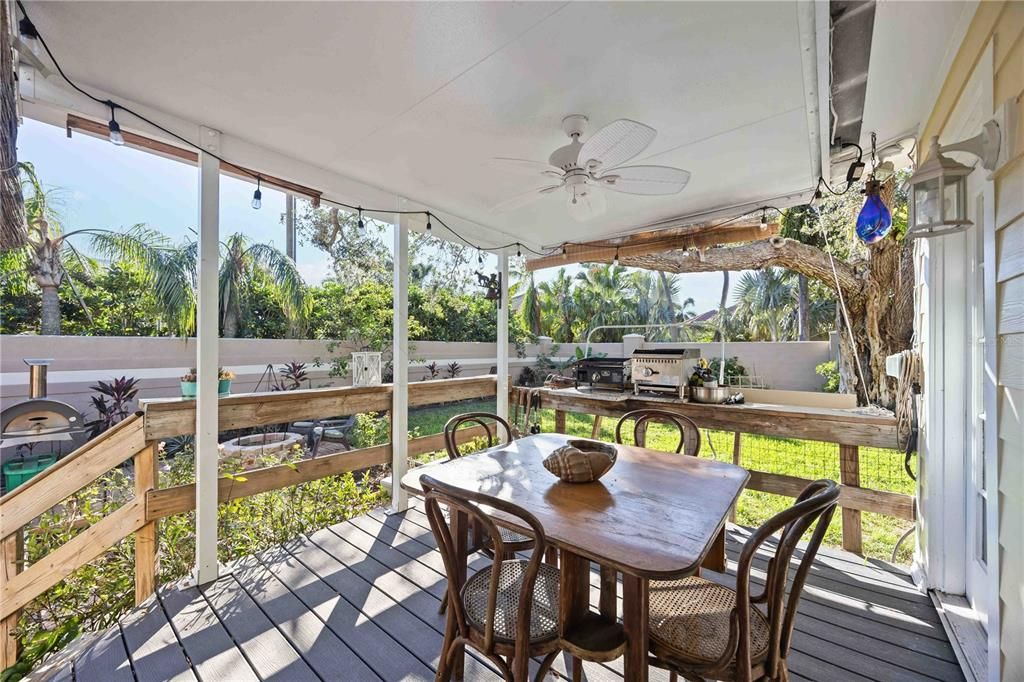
(145, 537)
(12, 555)
(736, 439)
(849, 473)
(559, 421)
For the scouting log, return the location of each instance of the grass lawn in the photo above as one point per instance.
(880, 469)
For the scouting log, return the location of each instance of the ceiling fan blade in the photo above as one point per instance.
(524, 166)
(647, 180)
(587, 205)
(523, 199)
(616, 143)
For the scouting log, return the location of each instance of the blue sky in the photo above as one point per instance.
(101, 185)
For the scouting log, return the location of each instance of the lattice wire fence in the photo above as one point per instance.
(880, 469)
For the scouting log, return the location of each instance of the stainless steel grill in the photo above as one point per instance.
(40, 419)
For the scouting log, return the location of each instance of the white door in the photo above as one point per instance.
(976, 479)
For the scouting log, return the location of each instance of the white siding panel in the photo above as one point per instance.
(1010, 297)
(1010, 251)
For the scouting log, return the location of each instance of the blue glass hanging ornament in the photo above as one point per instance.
(874, 220)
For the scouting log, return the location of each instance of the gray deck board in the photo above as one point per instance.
(105, 660)
(152, 645)
(358, 601)
(268, 651)
(207, 644)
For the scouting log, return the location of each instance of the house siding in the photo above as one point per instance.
(1002, 25)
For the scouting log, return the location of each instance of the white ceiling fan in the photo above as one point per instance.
(584, 169)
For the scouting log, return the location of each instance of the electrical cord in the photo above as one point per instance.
(115, 106)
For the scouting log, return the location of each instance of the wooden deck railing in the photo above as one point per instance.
(848, 429)
(138, 438)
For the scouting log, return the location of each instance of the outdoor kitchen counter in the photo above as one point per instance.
(853, 426)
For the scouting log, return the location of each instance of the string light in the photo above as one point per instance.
(116, 137)
(764, 219)
(257, 196)
(479, 257)
(615, 261)
(115, 128)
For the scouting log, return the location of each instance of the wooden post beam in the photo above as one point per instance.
(697, 237)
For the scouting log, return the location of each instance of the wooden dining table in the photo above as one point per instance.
(653, 516)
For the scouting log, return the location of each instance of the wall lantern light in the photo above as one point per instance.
(938, 188)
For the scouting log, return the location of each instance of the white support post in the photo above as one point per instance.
(400, 361)
(503, 307)
(207, 333)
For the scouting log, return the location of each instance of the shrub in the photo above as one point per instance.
(830, 371)
(97, 594)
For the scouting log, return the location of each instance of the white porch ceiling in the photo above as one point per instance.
(416, 97)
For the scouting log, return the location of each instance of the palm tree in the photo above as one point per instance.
(559, 307)
(765, 299)
(172, 273)
(530, 308)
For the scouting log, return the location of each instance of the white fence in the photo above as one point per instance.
(80, 361)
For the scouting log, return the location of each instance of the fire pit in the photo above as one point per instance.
(251, 448)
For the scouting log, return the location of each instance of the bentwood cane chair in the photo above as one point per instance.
(689, 434)
(700, 629)
(513, 542)
(507, 611)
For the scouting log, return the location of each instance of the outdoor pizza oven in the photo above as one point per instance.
(40, 419)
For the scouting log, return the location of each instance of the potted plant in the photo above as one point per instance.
(224, 377)
(188, 382)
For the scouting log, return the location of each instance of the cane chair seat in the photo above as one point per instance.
(510, 537)
(689, 621)
(543, 613)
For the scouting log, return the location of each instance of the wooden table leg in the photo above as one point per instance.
(716, 559)
(559, 421)
(574, 590)
(574, 597)
(634, 622)
(608, 604)
(459, 530)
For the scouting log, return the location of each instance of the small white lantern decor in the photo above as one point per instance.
(938, 196)
(366, 369)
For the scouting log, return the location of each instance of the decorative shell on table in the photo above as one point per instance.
(581, 461)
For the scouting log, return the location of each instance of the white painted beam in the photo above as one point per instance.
(400, 361)
(289, 226)
(503, 310)
(207, 360)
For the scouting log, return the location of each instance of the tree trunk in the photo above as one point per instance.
(723, 301)
(877, 294)
(669, 306)
(230, 325)
(50, 317)
(803, 308)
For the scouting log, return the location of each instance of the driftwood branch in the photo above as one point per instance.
(775, 252)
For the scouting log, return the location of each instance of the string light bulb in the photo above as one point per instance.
(115, 128)
(479, 257)
(764, 219)
(615, 261)
(257, 196)
(361, 225)
(428, 221)
(519, 250)
(564, 252)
